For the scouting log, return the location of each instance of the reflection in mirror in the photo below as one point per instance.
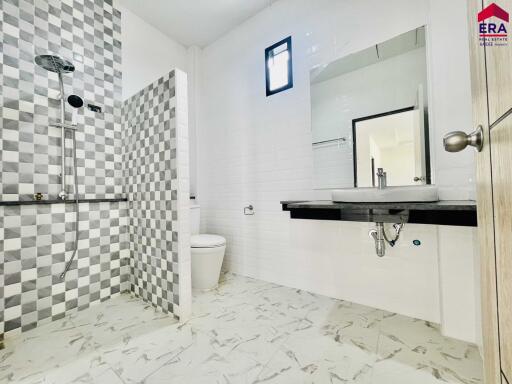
(369, 110)
(391, 141)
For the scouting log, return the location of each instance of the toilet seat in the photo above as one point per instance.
(207, 241)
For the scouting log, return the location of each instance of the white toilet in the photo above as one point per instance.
(207, 254)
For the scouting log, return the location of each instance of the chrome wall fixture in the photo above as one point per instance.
(59, 65)
(338, 140)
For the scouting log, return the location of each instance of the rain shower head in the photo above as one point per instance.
(54, 64)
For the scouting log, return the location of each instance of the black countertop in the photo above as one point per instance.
(451, 205)
(458, 213)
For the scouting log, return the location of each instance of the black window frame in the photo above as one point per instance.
(288, 42)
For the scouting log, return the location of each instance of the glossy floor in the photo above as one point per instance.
(247, 331)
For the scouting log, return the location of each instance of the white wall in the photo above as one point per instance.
(456, 302)
(147, 53)
(194, 60)
(183, 198)
(381, 87)
(451, 96)
(388, 140)
(253, 149)
(399, 164)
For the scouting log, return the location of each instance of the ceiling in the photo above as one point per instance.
(195, 22)
(396, 46)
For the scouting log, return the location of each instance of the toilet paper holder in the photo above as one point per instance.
(249, 210)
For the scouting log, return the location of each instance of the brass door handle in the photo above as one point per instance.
(456, 141)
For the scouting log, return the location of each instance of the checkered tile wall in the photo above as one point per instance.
(35, 241)
(150, 168)
(87, 33)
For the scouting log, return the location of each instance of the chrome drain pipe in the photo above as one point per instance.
(378, 235)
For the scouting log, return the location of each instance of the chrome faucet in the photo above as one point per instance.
(381, 176)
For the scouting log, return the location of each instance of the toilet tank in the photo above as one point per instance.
(195, 218)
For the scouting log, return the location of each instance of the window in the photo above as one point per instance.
(278, 66)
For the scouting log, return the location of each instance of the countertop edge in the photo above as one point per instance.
(47, 202)
(442, 205)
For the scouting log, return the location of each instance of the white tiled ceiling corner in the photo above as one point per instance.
(195, 22)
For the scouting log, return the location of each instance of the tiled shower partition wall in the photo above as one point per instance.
(155, 143)
(36, 240)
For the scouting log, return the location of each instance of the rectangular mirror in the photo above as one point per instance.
(369, 110)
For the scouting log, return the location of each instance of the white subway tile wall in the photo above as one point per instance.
(257, 150)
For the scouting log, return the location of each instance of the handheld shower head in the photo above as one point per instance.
(76, 102)
(54, 64)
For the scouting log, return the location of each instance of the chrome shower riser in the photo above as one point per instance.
(62, 194)
(59, 65)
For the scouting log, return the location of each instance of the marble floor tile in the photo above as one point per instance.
(410, 346)
(246, 331)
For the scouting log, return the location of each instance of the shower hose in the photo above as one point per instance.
(77, 209)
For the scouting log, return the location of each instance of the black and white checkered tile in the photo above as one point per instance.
(35, 241)
(150, 169)
(87, 33)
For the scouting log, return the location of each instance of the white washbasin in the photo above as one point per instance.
(386, 195)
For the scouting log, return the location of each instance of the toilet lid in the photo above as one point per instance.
(206, 241)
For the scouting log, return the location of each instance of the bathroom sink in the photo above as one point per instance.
(421, 193)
